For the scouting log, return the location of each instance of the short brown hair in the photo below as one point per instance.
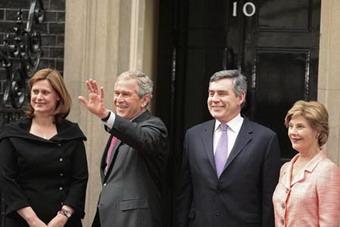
(57, 83)
(316, 115)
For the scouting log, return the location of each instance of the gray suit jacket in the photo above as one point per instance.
(132, 188)
(242, 196)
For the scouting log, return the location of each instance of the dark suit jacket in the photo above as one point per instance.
(242, 196)
(131, 194)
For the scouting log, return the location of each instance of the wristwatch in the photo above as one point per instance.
(65, 212)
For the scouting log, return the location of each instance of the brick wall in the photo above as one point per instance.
(52, 38)
(51, 30)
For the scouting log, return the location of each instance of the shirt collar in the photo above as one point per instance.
(310, 166)
(315, 161)
(140, 113)
(234, 124)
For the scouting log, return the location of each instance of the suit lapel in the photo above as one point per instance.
(285, 175)
(310, 166)
(207, 140)
(243, 138)
(140, 118)
(103, 159)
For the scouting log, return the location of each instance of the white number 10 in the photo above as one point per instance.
(248, 9)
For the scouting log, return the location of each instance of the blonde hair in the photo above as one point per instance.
(316, 115)
(56, 80)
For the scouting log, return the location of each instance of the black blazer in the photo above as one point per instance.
(43, 174)
(242, 196)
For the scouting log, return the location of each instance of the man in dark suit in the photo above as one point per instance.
(135, 156)
(230, 165)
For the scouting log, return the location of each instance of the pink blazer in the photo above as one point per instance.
(313, 199)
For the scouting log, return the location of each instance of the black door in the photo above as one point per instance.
(273, 42)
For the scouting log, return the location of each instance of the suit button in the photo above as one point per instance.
(61, 159)
(218, 213)
(104, 184)
(61, 188)
(61, 174)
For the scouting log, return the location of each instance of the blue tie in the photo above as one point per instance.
(221, 152)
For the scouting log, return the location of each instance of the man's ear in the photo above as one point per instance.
(242, 97)
(146, 99)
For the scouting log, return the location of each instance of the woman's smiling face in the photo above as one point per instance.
(302, 136)
(44, 98)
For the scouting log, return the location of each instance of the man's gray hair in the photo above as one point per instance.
(145, 84)
(239, 80)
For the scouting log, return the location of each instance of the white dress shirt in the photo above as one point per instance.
(234, 127)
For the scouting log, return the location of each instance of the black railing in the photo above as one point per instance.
(20, 57)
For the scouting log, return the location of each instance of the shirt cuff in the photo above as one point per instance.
(111, 120)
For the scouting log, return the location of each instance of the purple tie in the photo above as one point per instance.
(110, 152)
(221, 152)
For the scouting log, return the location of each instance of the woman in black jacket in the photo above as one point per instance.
(43, 166)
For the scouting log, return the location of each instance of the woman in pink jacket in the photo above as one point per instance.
(308, 192)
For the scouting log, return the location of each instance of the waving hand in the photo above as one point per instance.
(95, 101)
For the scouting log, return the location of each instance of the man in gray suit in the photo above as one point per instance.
(135, 156)
(230, 164)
